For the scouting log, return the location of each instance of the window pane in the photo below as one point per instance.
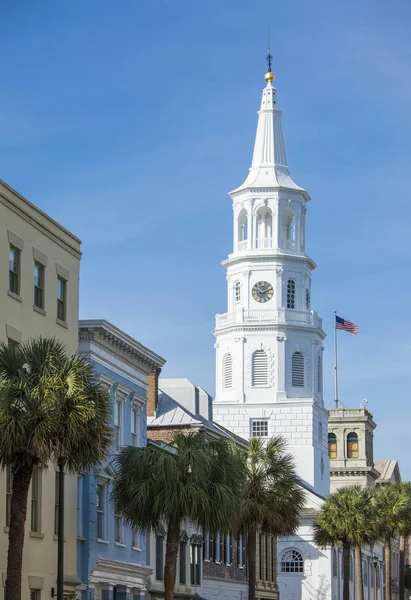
(260, 428)
(14, 256)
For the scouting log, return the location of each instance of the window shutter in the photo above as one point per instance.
(227, 371)
(297, 368)
(260, 368)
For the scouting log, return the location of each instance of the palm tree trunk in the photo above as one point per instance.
(170, 567)
(252, 563)
(387, 553)
(358, 573)
(19, 496)
(60, 532)
(402, 568)
(346, 571)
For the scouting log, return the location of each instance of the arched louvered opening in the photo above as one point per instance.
(291, 293)
(264, 227)
(332, 445)
(352, 445)
(237, 292)
(307, 299)
(227, 371)
(260, 368)
(319, 376)
(242, 229)
(297, 370)
(288, 229)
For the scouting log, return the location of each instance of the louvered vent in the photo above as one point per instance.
(297, 366)
(227, 371)
(260, 368)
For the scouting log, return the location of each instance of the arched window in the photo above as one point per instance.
(260, 368)
(335, 563)
(237, 291)
(365, 573)
(297, 370)
(288, 229)
(351, 567)
(227, 371)
(307, 299)
(319, 376)
(332, 445)
(291, 293)
(292, 562)
(264, 227)
(242, 226)
(352, 445)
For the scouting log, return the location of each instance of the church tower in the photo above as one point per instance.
(269, 366)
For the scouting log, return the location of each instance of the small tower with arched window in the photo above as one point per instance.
(350, 447)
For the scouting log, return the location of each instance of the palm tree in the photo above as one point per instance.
(272, 497)
(392, 511)
(51, 409)
(198, 479)
(347, 519)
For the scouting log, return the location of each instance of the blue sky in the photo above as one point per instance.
(130, 121)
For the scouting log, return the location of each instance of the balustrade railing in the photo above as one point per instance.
(274, 315)
(288, 244)
(242, 245)
(264, 242)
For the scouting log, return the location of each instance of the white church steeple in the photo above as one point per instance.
(269, 342)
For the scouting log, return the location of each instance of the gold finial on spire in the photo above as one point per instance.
(269, 76)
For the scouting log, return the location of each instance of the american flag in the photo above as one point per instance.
(345, 325)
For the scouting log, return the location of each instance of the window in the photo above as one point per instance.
(291, 293)
(195, 564)
(241, 550)
(307, 299)
(292, 562)
(352, 445)
(227, 371)
(319, 376)
(117, 423)
(35, 594)
(159, 557)
(9, 481)
(56, 503)
(183, 562)
(332, 445)
(38, 285)
(273, 559)
(35, 500)
(136, 540)
(378, 573)
(80, 506)
(259, 428)
(335, 563)
(14, 270)
(371, 575)
(297, 370)
(135, 426)
(259, 368)
(118, 529)
(237, 291)
(227, 549)
(320, 432)
(101, 510)
(351, 568)
(365, 573)
(61, 298)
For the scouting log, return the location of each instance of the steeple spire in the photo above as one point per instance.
(269, 166)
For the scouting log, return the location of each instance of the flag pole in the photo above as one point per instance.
(335, 361)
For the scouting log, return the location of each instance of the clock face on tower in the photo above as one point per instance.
(262, 291)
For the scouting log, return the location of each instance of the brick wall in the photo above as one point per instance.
(212, 568)
(165, 434)
(152, 392)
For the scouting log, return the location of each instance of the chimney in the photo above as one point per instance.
(152, 392)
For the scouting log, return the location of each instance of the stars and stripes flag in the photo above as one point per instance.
(345, 325)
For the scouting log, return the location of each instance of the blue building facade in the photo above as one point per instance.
(111, 557)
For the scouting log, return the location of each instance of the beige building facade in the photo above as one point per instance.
(39, 295)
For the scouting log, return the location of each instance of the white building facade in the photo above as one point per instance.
(269, 342)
